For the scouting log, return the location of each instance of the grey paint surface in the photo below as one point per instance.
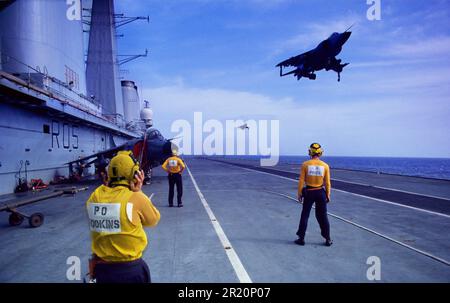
(434, 187)
(260, 225)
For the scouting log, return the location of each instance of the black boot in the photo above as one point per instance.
(328, 242)
(300, 241)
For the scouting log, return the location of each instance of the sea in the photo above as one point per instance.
(435, 168)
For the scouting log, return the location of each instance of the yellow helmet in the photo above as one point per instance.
(315, 150)
(122, 168)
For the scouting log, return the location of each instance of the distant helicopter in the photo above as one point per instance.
(244, 126)
(322, 57)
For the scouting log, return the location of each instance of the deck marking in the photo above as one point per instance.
(231, 253)
(358, 195)
(397, 204)
(393, 189)
(375, 232)
(373, 186)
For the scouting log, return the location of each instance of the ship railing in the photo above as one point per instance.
(43, 83)
(117, 119)
(34, 75)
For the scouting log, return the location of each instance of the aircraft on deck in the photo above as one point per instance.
(151, 150)
(322, 57)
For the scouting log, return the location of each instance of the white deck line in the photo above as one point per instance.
(238, 267)
(358, 195)
(422, 252)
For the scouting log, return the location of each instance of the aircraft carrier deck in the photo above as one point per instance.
(239, 221)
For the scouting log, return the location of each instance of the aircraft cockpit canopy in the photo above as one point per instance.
(153, 134)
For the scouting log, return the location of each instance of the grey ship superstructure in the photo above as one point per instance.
(56, 105)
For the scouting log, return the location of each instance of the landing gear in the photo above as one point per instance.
(312, 77)
(339, 77)
(148, 177)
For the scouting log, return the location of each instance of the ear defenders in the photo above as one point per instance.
(315, 149)
(123, 168)
(135, 169)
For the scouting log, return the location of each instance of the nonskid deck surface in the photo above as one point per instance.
(258, 220)
(427, 194)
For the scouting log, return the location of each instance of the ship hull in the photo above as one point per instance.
(37, 145)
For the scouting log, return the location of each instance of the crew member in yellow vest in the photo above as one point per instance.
(314, 186)
(174, 166)
(118, 213)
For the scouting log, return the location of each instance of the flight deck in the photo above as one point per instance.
(238, 224)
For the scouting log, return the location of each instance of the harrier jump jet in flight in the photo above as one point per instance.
(322, 57)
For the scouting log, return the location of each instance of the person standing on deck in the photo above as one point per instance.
(314, 186)
(118, 213)
(174, 166)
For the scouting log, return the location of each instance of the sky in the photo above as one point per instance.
(218, 57)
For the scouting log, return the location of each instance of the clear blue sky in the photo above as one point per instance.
(219, 57)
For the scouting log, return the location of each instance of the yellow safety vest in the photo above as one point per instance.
(114, 237)
(315, 173)
(173, 165)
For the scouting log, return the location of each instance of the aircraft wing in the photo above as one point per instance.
(295, 61)
(108, 153)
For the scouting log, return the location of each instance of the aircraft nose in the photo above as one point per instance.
(169, 148)
(174, 148)
(345, 36)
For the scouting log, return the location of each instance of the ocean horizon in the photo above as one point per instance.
(435, 168)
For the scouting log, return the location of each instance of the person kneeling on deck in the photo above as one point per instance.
(174, 166)
(117, 214)
(315, 175)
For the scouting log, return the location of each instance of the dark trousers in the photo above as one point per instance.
(175, 179)
(127, 272)
(319, 197)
